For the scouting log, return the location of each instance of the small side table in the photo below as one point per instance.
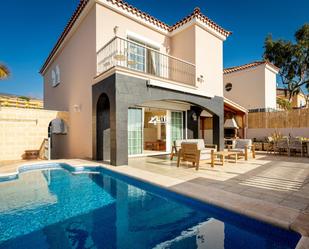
(222, 155)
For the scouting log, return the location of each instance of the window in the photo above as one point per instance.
(143, 58)
(55, 75)
(57, 69)
(54, 80)
(228, 87)
(137, 55)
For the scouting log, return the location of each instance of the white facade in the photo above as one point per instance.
(253, 87)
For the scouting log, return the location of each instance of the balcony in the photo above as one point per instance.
(131, 55)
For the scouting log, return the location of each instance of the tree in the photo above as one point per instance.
(291, 58)
(284, 104)
(4, 72)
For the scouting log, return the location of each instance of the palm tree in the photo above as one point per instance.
(4, 71)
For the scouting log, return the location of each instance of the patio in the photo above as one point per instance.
(276, 179)
(271, 188)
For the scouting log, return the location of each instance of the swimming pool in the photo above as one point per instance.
(66, 207)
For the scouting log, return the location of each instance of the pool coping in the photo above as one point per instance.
(193, 191)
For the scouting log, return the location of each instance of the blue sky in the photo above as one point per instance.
(30, 29)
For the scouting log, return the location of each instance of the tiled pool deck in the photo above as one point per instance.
(271, 188)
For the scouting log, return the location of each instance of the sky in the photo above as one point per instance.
(29, 30)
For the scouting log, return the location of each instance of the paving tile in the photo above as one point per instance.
(301, 224)
(294, 204)
(303, 243)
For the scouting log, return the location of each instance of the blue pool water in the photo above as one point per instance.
(55, 208)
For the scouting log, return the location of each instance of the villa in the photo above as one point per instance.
(258, 77)
(133, 84)
(205, 158)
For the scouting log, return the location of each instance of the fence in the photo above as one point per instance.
(293, 122)
(284, 119)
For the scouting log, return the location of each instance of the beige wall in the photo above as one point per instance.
(252, 88)
(183, 45)
(25, 129)
(77, 62)
(198, 46)
(209, 62)
(107, 19)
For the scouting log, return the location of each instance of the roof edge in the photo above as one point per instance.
(250, 65)
(235, 105)
(138, 13)
(82, 4)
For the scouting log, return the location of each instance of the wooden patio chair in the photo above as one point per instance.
(189, 152)
(243, 147)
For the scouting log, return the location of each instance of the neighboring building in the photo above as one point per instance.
(12, 100)
(299, 100)
(252, 85)
(133, 84)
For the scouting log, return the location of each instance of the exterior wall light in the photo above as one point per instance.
(200, 79)
(194, 116)
(77, 108)
(116, 30)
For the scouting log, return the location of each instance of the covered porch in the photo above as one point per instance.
(134, 117)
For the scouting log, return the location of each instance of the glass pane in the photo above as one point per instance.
(136, 56)
(135, 130)
(176, 126)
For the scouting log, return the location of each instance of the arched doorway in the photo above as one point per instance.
(57, 128)
(103, 128)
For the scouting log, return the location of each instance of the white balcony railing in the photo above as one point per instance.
(131, 55)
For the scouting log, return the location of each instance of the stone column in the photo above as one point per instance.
(218, 131)
(119, 134)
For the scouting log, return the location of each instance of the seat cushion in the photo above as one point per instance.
(205, 156)
(242, 143)
(238, 150)
(206, 151)
(200, 142)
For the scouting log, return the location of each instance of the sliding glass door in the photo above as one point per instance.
(176, 126)
(135, 131)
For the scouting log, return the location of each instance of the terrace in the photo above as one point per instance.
(138, 58)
